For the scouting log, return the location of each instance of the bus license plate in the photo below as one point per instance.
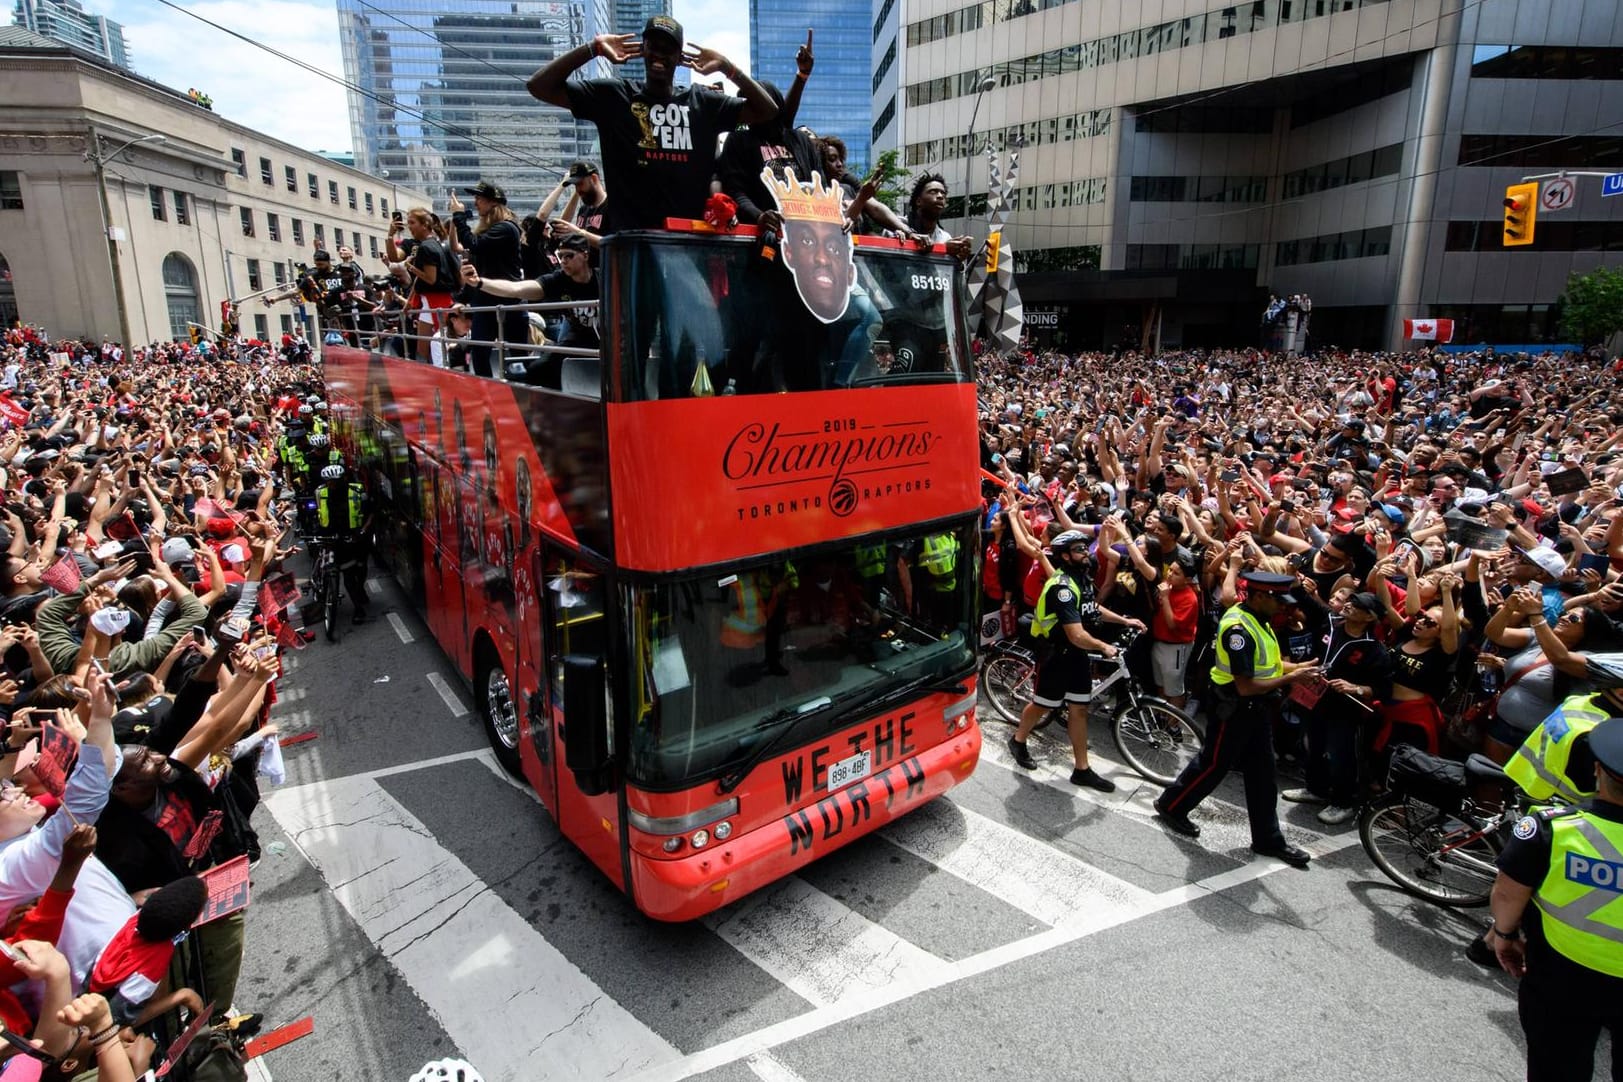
(846, 771)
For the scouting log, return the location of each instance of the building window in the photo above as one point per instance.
(292, 176)
(155, 193)
(273, 226)
(279, 272)
(247, 221)
(352, 203)
(298, 232)
(240, 160)
(1335, 247)
(885, 118)
(337, 237)
(262, 327)
(1546, 62)
(256, 280)
(374, 246)
(1549, 151)
(884, 66)
(369, 202)
(287, 323)
(332, 192)
(315, 185)
(180, 292)
(183, 213)
(384, 203)
(266, 172)
(11, 190)
(321, 238)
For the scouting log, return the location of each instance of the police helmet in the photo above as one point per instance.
(318, 439)
(305, 411)
(321, 406)
(447, 1070)
(1604, 670)
(332, 473)
(1067, 541)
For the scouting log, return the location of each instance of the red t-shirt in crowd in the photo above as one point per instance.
(1185, 604)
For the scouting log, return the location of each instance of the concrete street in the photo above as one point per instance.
(419, 905)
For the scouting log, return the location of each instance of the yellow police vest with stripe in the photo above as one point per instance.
(1266, 662)
(1540, 764)
(1043, 620)
(1582, 895)
(324, 509)
(870, 561)
(939, 560)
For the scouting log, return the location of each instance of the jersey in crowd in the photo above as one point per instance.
(580, 324)
(658, 156)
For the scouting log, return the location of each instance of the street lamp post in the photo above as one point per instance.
(969, 151)
(99, 160)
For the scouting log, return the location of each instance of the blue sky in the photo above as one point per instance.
(252, 87)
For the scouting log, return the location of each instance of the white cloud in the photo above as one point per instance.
(248, 84)
(722, 25)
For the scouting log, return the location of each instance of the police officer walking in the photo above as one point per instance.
(344, 520)
(1248, 673)
(1065, 672)
(1567, 946)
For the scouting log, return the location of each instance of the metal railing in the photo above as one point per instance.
(395, 333)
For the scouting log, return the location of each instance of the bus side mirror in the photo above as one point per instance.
(586, 722)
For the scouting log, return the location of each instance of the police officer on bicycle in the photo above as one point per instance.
(1567, 945)
(1246, 680)
(1064, 670)
(344, 521)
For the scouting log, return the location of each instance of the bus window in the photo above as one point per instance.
(706, 318)
(724, 661)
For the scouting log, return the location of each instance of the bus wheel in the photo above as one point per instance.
(500, 713)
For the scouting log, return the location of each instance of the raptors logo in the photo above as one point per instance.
(842, 497)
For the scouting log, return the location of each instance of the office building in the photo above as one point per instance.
(441, 101)
(1182, 162)
(123, 203)
(629, 17)
(836, 100)
(68, 22)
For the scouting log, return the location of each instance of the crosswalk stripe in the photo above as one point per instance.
(1016, 868)
(458, 945)
(769, 1068)
(816, 946)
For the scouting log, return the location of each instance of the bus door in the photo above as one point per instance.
(575, 641)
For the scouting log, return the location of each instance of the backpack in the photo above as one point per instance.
(216, 1055)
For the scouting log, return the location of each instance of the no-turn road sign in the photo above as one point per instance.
(1557, 194)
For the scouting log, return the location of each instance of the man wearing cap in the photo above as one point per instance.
(591, 206)
(659, 140)
(1358, 671)
(576, 283)
(1248, 672)
(1567, 945)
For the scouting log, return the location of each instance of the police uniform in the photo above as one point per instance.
(341, 512)
(1065, 675)
(1240, 727)
(1555, 762)
(1572, 858)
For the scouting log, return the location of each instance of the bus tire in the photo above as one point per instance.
(498, 709)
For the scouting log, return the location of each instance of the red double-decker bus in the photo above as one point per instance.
(713, 591)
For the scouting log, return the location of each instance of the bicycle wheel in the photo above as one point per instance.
(1430, 853)
(329, 608)
(1156, 738)
(1007, 682)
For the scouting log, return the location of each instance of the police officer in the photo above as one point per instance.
(1556, 762)
(930, 580)
(344, 520)
(1065, 623)
(1567, 946)
(1245, 679)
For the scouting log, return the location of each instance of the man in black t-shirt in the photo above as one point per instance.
(576, 282)
(592, 211)
(659, 141)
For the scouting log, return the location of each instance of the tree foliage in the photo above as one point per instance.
(1592, 307)
(892, 178)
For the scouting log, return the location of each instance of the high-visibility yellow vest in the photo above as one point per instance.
(324, 506)
(939, 560)
(1266, 662)
(745, 626)
(1540, 764)
(870, 561)
(1043, 619)
(1582, 894)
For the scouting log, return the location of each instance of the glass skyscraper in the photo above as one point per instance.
(839, 97)
(68, 22)
(441, 100)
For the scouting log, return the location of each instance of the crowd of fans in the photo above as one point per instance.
(1453, 518)
(143, 615)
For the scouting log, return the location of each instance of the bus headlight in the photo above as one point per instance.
(673, 845)
(701, 838)
(723, 831)
(681, 824)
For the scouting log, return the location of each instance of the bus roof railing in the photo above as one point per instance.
(393, 327)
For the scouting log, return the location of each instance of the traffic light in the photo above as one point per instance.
(1521, 211)
(193, 332)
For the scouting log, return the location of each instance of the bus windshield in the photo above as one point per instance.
(724, 662)
(705, 315)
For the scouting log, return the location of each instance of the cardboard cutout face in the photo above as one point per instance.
(816, 248)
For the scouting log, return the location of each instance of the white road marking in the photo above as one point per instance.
(488, 757)
(399, 626)
(769, 1068)
(257, 1071)
(374, 587)
(1016, 868)
(818, 947)
(453, 701)
(458, 945)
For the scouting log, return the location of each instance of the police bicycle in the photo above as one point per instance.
(324, 584)
(1154, 737)
(1430, 836)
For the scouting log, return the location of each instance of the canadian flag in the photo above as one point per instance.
(1429, 330)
